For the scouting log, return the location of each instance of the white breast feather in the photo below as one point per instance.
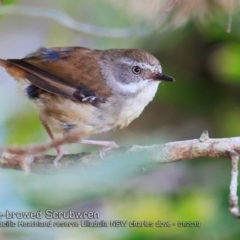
(133, 107)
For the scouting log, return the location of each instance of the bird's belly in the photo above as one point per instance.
(133, 107)
(130, 112)
(65, 115)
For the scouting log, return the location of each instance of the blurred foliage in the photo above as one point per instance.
(205, 61)
(8, 2)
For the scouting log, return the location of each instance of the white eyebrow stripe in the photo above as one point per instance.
(153, 68)
(149, 66)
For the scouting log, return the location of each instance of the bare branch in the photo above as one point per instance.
(171, 4)
(162, 153)
(39, 148)
(229, 26)
(233, 198)
(65, 20)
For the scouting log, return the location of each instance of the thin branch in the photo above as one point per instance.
(162, 153)
(233, 198)
(229, 26)
(170, 5)
(65, 20)
(71, 137)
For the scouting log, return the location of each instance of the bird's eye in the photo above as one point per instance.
(136, 70)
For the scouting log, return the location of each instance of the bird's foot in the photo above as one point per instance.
(60, 154)
(108, 145)
(104, 150)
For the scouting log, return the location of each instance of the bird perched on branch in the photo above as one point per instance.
(78, 88)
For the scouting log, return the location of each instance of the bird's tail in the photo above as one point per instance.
(4, 63)
(12, 69)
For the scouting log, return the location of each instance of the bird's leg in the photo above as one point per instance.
(106, 144)
(60, 151)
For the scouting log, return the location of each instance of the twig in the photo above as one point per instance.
(162, 153)
(170, 5)
(67, 21)
(229, 26)
(233, 198)
(39, 148)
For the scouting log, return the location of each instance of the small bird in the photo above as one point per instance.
(78, 88)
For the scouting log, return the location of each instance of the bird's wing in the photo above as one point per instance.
(73, 73)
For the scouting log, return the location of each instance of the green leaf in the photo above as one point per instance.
(226, 63)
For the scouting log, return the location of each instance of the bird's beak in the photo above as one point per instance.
(162, 77)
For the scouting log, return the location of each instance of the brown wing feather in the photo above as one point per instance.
(75, 66)
(44, 80)
(69, 72)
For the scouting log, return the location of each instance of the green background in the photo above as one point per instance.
(194, 47)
